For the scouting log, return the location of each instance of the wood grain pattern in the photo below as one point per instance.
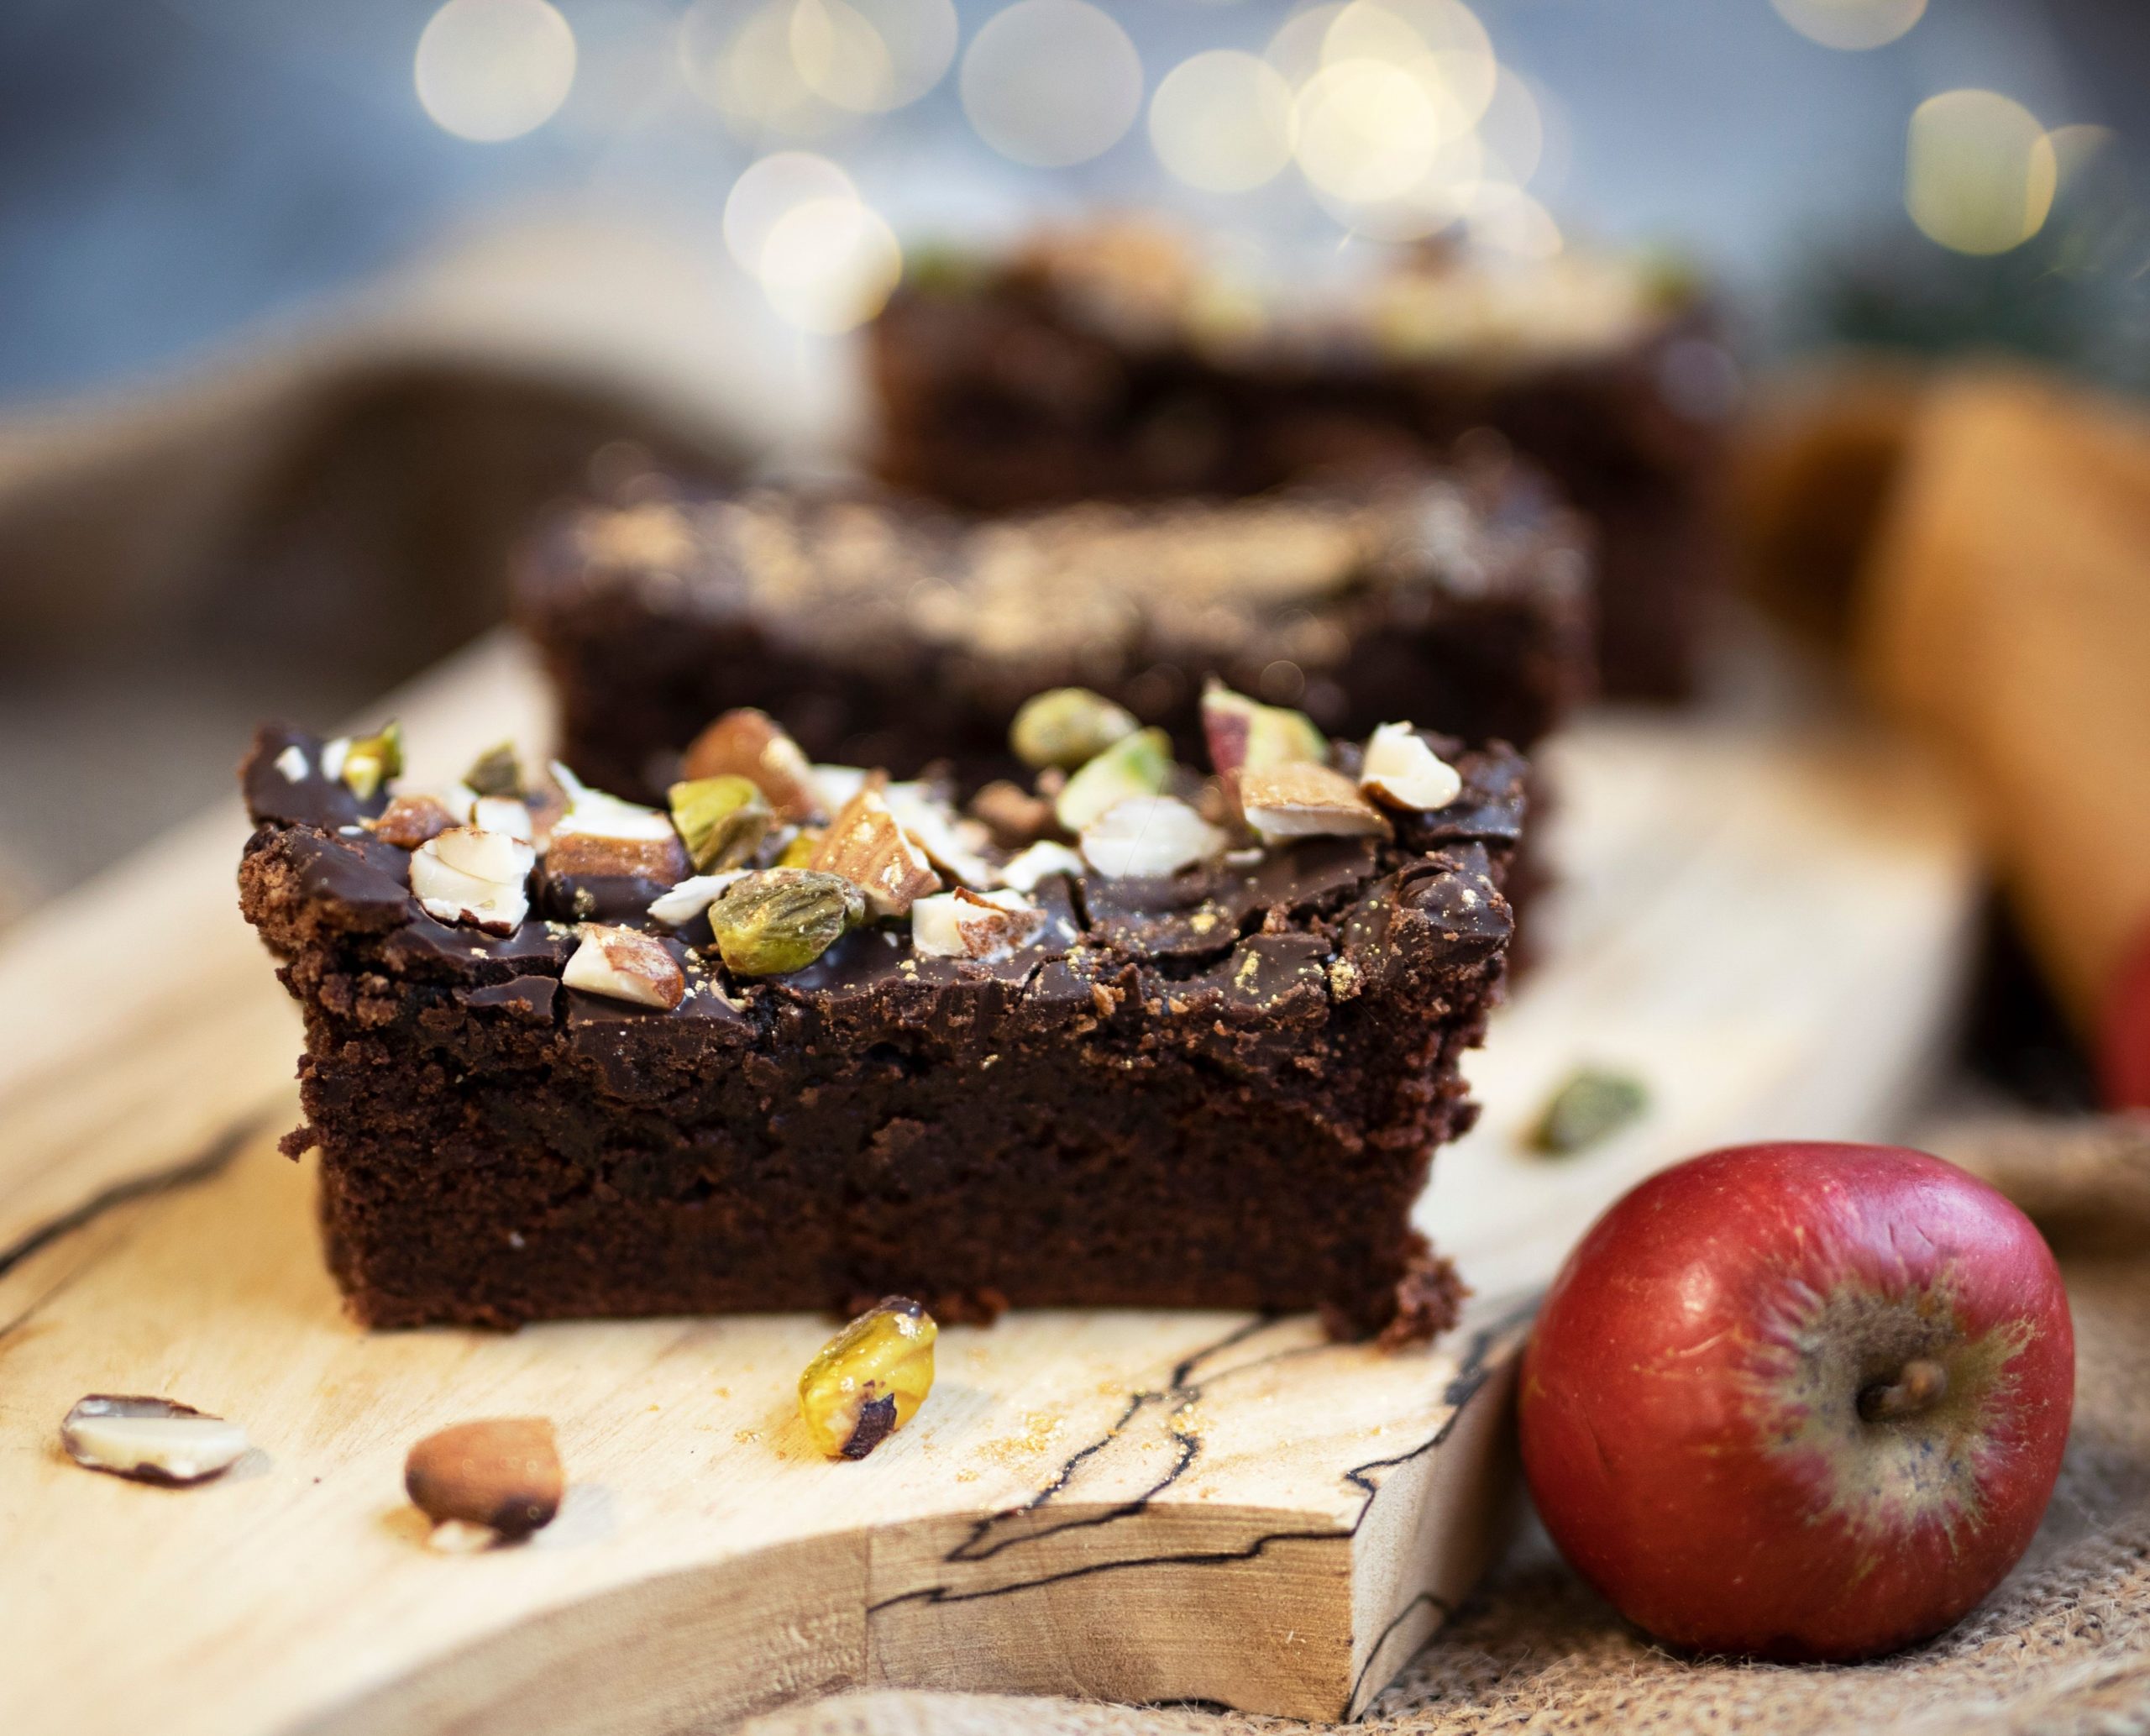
(1139, 1506)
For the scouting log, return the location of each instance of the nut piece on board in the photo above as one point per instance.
(870, 1380)
(502, 1473)
(150, 1441)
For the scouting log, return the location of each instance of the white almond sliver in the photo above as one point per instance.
(501, 814)
(293, 764)
(625, 965)
(152, 1439)
(1402, 772)
(1149, 834)
(466, 875)
(963, 925)
(1026, 869)
(679, 906)
(835, 784)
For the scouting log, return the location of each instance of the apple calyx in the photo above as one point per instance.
(1920, 1385)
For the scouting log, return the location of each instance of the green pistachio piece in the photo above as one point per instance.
(1139, 765)
(1593, 1105)
(800, 851)
(780, 920)
(1067, 726)
(496, 772)
(721, 820)
(371, 761)
(1246, 736)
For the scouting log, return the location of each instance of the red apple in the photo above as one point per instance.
(1802, 1401)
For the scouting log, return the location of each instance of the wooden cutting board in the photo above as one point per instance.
(1137, 1506)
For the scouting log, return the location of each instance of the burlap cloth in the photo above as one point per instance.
(2063, 1645)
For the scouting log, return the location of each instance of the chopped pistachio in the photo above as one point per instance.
(1140, 764)
(722, 819)
(780, 920)
(1593, 1105)
(1067, 726)
(800, 851)
(496, 772)
(870, 1380)
(1245, 735)
(369, 761)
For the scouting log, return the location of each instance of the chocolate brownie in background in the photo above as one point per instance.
(1110, 361)
(811, 1036)
(888, 632)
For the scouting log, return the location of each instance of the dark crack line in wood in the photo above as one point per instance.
(1192, 1558)
(1424, 1600)
(1470, 1377)
(1472, 1374)
(974, 1548)
(202, 1166)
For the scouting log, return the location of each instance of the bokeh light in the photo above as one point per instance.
(742, 63)
(1366, 131)
(1850, 24)
(1512, 130)
(493, 69)
(1052, 82)
(829, 263)
(2075, 149)
(1295, 50)
(1978, 172)
(1222, 121)
(871, 55)
(769, 191)
(1401, 113)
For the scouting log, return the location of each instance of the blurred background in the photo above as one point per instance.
(309, 307)
(181, 175)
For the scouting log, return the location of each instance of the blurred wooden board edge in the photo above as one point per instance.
(133, 1079)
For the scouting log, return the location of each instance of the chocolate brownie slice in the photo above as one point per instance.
(1108, 361)
(566, 1056)
(886, 633)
